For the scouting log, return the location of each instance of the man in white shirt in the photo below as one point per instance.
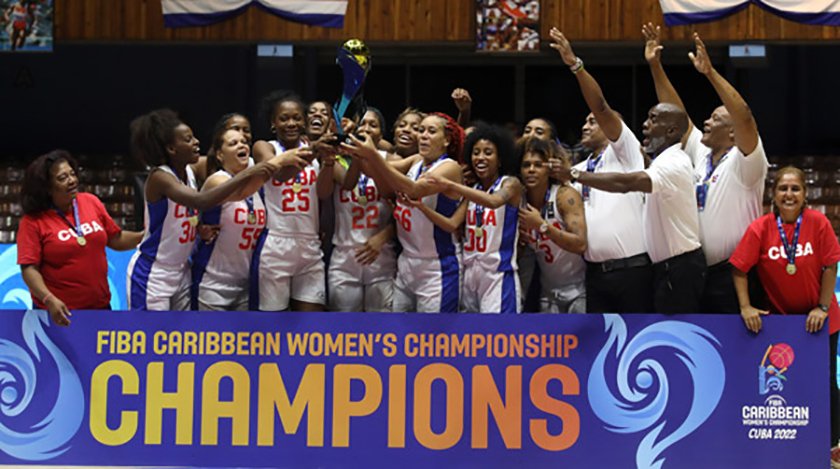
(670, 224)
(618, 272)
(730, 167)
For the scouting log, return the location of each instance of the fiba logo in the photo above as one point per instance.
(771, 372)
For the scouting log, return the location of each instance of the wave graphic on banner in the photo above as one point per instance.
(642, 382)
(48, 437)
(325, 13)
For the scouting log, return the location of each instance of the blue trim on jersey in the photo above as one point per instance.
(443, 240)
(507, 248)
(140, 283)
(157, 215)
(509, 294)
(148, 254)
(202, 253)
(254, 287)
(450, 284)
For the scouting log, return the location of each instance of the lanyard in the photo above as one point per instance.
(361, 187)
(591, 165)
(77, 229)
(423, 167)
(702, 189)
(479, 209)
(790, 248)
(249, 201)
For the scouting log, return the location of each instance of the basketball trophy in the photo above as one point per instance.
(354, 59)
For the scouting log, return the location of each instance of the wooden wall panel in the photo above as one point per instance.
(417, 21)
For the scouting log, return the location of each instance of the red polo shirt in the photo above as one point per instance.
(77, 275)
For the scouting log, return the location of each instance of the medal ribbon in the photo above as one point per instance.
(790, 248)
(479, 209)
(702, 189)
(78, 228)
(423, 167)
(591, 164)
(249, 201)
(362, 185)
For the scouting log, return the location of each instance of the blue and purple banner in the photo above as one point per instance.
(411, 390)
(326, 13)
(680, 12)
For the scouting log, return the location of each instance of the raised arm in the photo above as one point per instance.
(390, 176)
(608, 120)
(293, 161)
(509, 193)
(743, 122)
(665, 91)
(463, 101)
(637, 181)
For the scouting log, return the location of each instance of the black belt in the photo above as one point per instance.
(639, 260)
(719, 267)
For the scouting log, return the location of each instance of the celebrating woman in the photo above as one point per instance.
(556, 225)
(158, 273)
(491, 208)
(363, 264)
(428, 270)
(406, 132)
(221, 266)
(287, 271)
(62, 238)
(795, 252)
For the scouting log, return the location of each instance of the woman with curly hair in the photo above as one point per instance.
(62, 238)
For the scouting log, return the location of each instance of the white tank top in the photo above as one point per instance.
(292, 205)
(558, 267)
(491, 241)
(420, 237)
(223, 265)
(170, 231)
(359, 213)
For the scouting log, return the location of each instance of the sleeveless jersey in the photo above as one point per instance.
(491, 242)
(169, 236)
(558, 267)
(292, 205)
(221, 269)
(359, 213)
(420, 238)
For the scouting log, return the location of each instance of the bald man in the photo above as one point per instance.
(670, 224)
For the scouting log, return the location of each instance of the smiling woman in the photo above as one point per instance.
(62, 239)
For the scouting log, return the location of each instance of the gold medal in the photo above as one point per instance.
(252, 218)
(790, 269)
(479, 232)
(362, 200)
(81, 240)
(296, 187)
(194, 220)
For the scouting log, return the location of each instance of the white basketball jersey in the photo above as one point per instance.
(558, 267)
(420, 238)
(170, 235)
(292, 205)
(223, 266)
(491, 240)
(359, 213)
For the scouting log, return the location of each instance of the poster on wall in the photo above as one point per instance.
(507, 25)
(26, 25)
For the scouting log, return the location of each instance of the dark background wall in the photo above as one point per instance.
(83, 96)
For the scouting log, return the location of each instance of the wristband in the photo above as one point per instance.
(46, 298)
(823, 307)
(577, 66)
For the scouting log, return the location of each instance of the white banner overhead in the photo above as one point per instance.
(326, 13)
(679, 12)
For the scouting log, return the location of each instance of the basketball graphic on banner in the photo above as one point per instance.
(781, 356)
